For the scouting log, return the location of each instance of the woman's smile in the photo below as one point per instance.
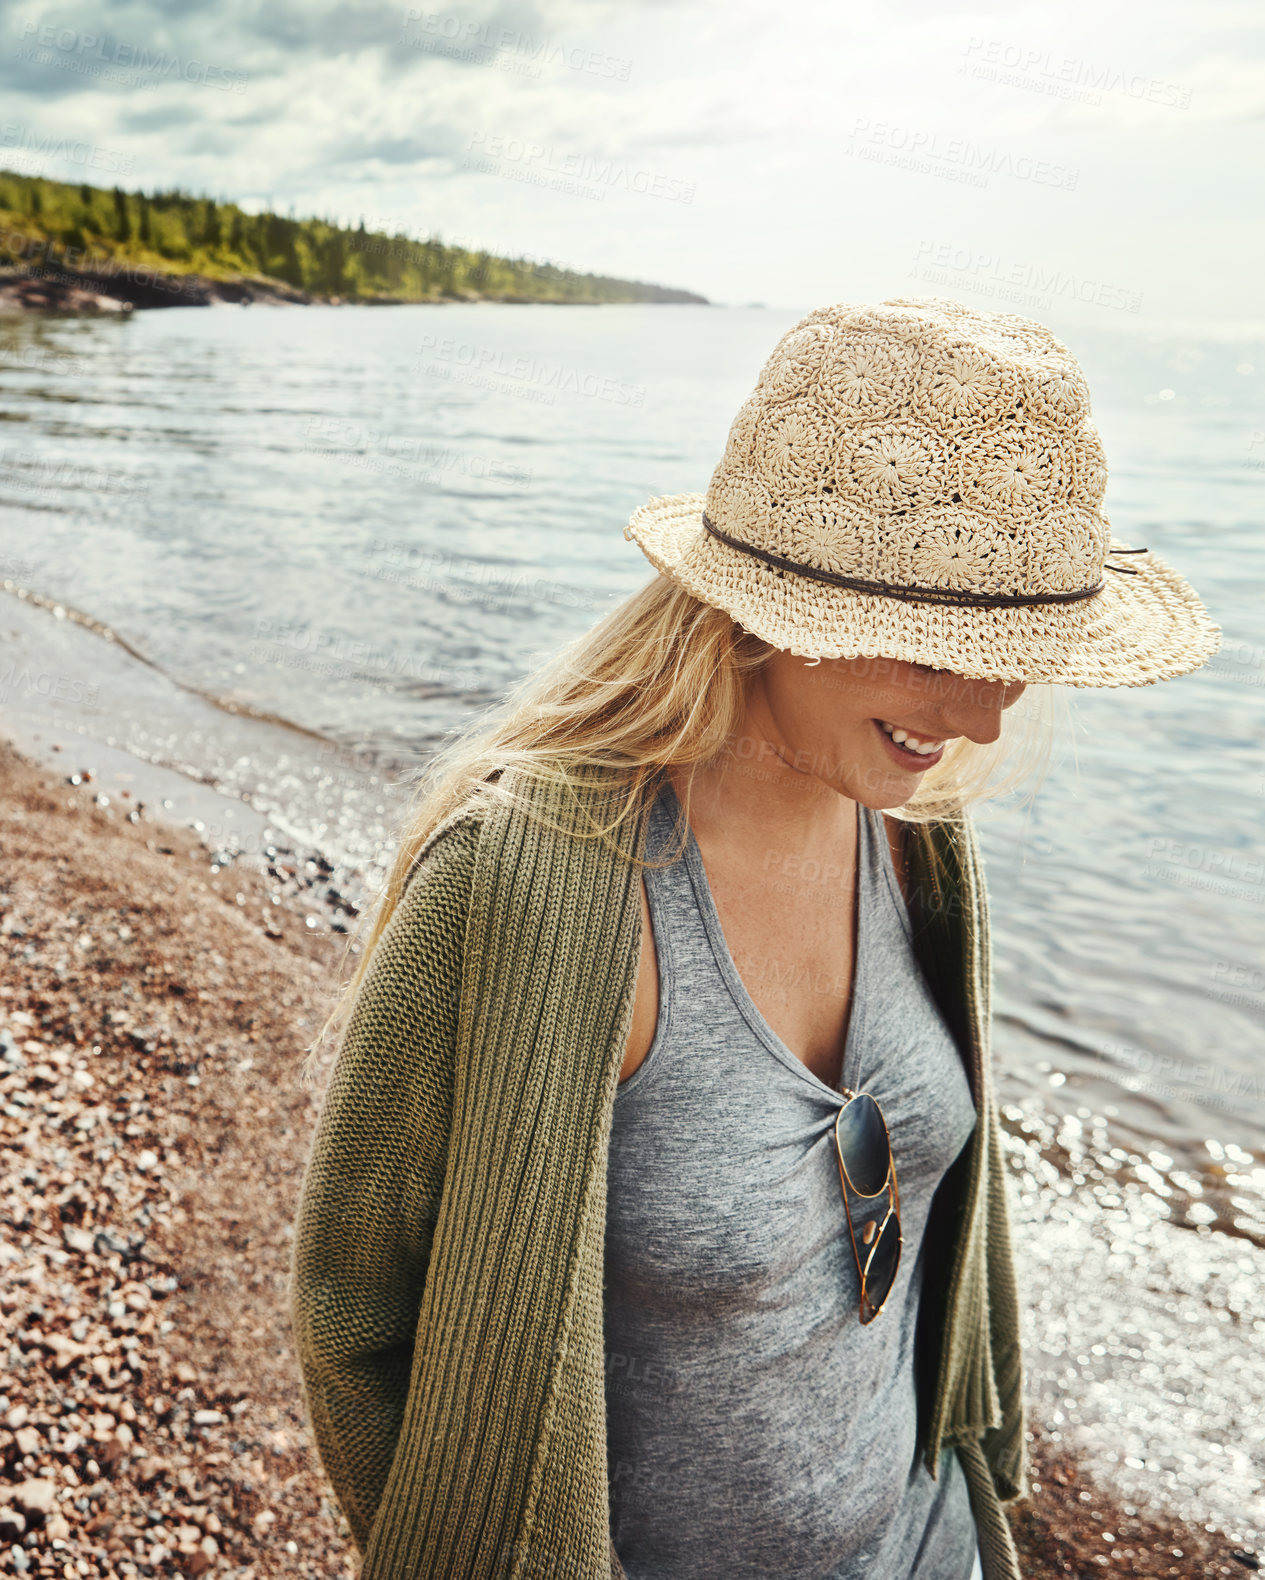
(913, 752)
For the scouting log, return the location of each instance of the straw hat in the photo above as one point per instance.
(917, 480)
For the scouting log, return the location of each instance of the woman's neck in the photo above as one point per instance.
(754, 797)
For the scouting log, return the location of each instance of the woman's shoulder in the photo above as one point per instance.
(449, 847)
(452, 843)
(498, 847)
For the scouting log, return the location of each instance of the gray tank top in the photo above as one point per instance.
(755, 1427)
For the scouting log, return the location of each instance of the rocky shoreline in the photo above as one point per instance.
(46, 289)
(155, 1002)
(34, 293)
(58, 290)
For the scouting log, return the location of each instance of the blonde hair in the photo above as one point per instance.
(658, 682)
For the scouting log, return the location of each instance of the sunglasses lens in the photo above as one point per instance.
(863, 1145)
(881, 1265)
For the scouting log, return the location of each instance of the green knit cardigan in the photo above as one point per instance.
(447, 1280)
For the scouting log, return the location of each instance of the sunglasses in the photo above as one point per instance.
(867, 1170)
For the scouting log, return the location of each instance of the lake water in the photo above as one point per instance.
(259, 561)
(363, 523)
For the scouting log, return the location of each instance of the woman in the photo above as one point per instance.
(655, 1222)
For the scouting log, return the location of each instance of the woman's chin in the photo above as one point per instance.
(882, 790)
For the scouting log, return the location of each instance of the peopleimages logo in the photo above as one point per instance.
(477, 364)
(14, 135)
(89, 48)
(965, 268)
(932, 152)
(466, 37)
(375, 449)
(40, 683)
(486, 150)
(1070, 76)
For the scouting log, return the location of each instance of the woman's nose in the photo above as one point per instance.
(983, 727)
(974, 707)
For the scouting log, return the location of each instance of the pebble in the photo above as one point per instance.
(34, 1496)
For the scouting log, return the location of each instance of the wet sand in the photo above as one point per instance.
(155, 1002)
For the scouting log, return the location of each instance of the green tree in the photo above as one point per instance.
(336, 264)
(122, 217)
(211, 233)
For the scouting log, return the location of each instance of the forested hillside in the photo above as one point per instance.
(175, 232)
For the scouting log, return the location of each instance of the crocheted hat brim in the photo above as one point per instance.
(1138, 629)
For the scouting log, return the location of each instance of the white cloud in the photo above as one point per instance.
(791, 155)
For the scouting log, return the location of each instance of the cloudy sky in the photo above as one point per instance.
(1102, 157)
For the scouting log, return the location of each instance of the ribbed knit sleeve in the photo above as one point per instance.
(1005, 1446)
(501, 1469)
(978, 1401)
(371, 1189)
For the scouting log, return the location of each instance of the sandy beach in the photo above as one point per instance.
(154, 1009)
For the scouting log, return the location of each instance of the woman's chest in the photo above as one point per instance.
(794, 925)
(723, 1182)
(793, 943)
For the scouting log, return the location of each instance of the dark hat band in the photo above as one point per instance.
(914, 594)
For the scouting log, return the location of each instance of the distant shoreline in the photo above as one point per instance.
(122, 290)
(73, 247)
